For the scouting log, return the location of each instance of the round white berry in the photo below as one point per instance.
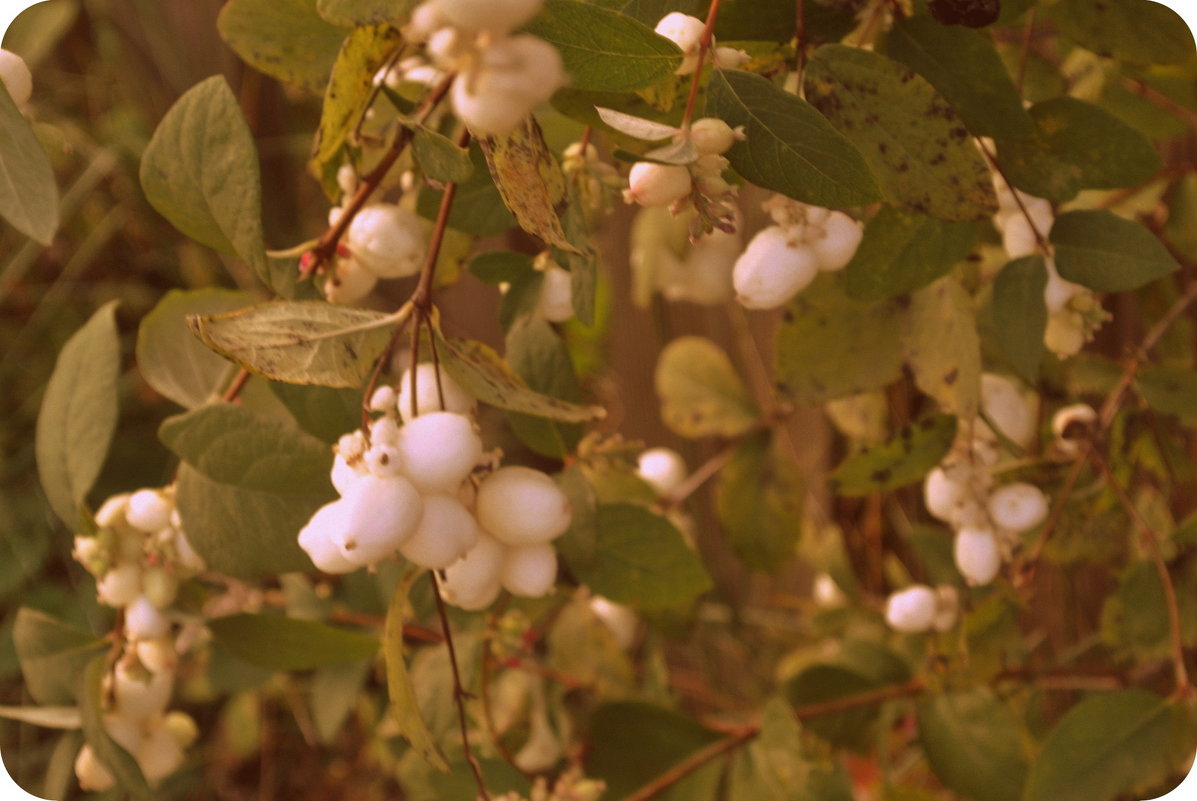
(382, 400)
(380, 513)
(143, 620)
(439, 449)
(1058, 292)
(684, 31)
(121, 585)
(514, 75)
(157, 655)
(529, 571)
(841, 237)
(977, 555)
(159, 755)
(522, 506)
(771, 270)
(1006, 407)
(386, 240)
(651, 184)
(383, 460)
(319, 539)
(91, 773)
(385, 430)
(663, 468)
(621, 620)
(472, 582)
(731, 58)
(140, 695)
(446, 532)
(349, 281)
(490, 15)
(428, 398)
(1018, 507)
(148, 510)
(911, 610)
(16, 77)
(556, 295)
(942, 495)
(711, 135)
(124, 731)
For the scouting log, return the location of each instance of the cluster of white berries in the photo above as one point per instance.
(409, 489)
(783, 259)
(701, 180)
(685, 31)
(665, 259)
(16, 77)
(138, 556)
(1073, 311)
(383, 241)
(500, 77)
(919, 608)
(987, 519)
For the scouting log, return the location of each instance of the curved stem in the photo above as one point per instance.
(704, 45)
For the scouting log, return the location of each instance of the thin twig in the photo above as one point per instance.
(913, 687)
(690, 764)
(460, 696)
(235, 386)
(1040, 236)
(1024, 55)
(704, 45)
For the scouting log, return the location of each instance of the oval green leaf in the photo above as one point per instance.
(973, 744)
(286, 643)
(701, 393)
(902, 252)
(28, 194)
(1100, 250)
(286, 39)
(903, 459)
(759, 502)
(1020, 314)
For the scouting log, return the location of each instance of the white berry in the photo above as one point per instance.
(1071, 425)
(386, 240)
(428, 399)
(651, 184)
(121, 585)
(143, 620)
(685, 31)
(140, 696)
(771, 270)
(345, 475)
(556, 295)
(711, 135)
(349, 282)
(319, 539)
(522, 506)
(911, 610)
(380, 513)
(16, 77)
(157, 655)
(159, 755)
(841, 237)
(663, 468)
(514, 75)
(1018, 507)
(111, 513)
(942, 495)
(439, 449)
(977, 555)
(91, 773)
(446, 532)
(472, 582)
(148, 510)
(1018, 237)
(529, 571)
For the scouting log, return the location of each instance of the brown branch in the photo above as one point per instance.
(1040, 237)
(913, 687)
(235, 386)
(460, 695)
(704, 45)
(1161, 100)
(690, 764)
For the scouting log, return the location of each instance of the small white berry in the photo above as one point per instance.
(428, 399)
(439, 449)
(977, 555)
(684, 31)
(158, 655)
(386, 240)
(159, 755)
(840, 240)
(140, 696)
(522, 506)
(148, 510)
(472, 582)
(529, 571)
(826, 593)
(111, 513)
(16, 77)
(121, 585)
(1018, 237)
(317, 539)
(556, 295)
(911, 610)
(942, 495)
(143, 621)
(91, 773)
(711, 135)
(731, 58)
(1065, 334)
(651, 184)
(384, 460)
(1018, 507)
(383, 400)
(663, 468)
(349, 281)
(380, 513)
(159, 586)
(124, 731)
(514, 75)
(771, 270)
(446, 532)
(182, 727)
(1071, 426)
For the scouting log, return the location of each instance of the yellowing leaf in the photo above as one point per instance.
(350, 87)
(701, 393)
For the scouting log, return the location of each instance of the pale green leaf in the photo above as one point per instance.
(917, 147)
(286, 39)
(405, 709)
(78, 414)
(943, 350)
(541, 359)
(49, 717)
(440, 159)
(789, 147)
(636, 127)
(759, 501)
(28, 194)
(302, 342)
(1106, 253)
(1020, 314)
(1134, 30)
(334, 693)
(903, 459)
(286, 643)
(973, 744)
(52, 655)
(902, 252)
(1169, 390)
(701, 393)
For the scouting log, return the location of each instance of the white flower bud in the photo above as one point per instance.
(712, 135)
(1018, 507)
(143, 621)
(663, 468)
(556, 295)
(428, 399)
(140, 696)
(771, 270)
(386, 240)
(380, 513)
(841, 237)
(16, 77)
(522, 506)
(529, 571)
(472, 582)
(490, 15)
(91, 773)
(446, 532)
(121, 585)
(1006, 407)
(319, 538)
(159, 755)
(911, 610)
(651, 184)
(148, 510)
(977, 555)
(684, 31)
(439, 449)
(621, 620)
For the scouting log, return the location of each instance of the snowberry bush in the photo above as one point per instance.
(737, 400)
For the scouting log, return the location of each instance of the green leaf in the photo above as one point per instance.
(1135, 617)
(78, 414)
(973, 744)
(819, 683)
(200, 172)
(541, 359)
(521, 299)
(635, 742)
(529, 180)
(52, 655)
(774, 768)
(286, 39)
(405, 709)
(323, 412)
(1020, 314)
(485, 375)
(942, 346)
(1106, 253)
(578, 545)
(334, 694)
(1132, 30)
(49, 717)
(478, 208)
(903, 459)
(351, 87)
(917, 147)
(903, 252)
(701, 393)
(603, 49)
(28, 194)
(301, 342)
(286, 643)
(1107, 745)
(1169, 390)
(789, 148)
(1077, 145)
(171, 359)
(641, 560)
(964, 67)
(830, 346)
(351, 13)
(120, 763)
(500, 266)
(440, 159)
(759, 501)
